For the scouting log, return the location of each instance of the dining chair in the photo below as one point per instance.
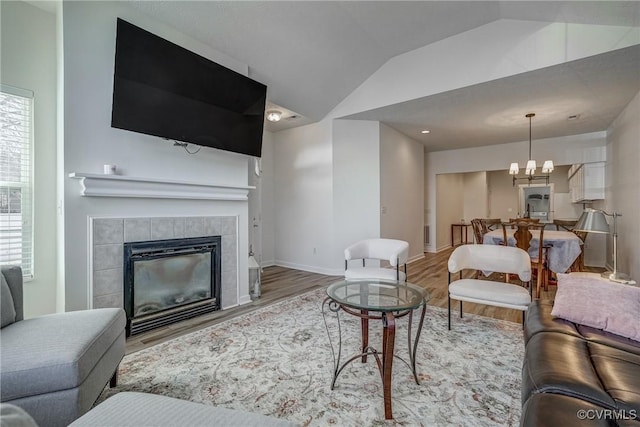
(492, 223)
(578, 264)
(529, 220)
(523, 238)
(478, 232)
(566, 224)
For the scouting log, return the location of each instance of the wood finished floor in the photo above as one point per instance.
(279, 283)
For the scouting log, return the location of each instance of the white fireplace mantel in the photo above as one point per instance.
(96, 185)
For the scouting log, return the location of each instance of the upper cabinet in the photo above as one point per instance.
(586, 182)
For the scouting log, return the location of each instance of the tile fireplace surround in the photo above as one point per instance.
(110, 234)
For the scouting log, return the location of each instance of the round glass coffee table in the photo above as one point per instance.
(378, 300)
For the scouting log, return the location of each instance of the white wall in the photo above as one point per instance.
(499, 49)
(29, 62)
(503, 200)
(268, 201)
(303, 193)
(330, 181)
(59, 161)
(476, 196)
(623, 183)
(450, 208)
(356, 185)
(401, 189)
(90, 142)
(563, 151)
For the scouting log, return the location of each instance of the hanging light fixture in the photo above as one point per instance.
(530, 168)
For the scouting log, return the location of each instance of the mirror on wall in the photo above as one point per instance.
(536, 201)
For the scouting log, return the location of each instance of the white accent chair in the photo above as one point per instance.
(396, 252)
(490, 258)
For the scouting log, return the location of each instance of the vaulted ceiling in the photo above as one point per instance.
(312, 54)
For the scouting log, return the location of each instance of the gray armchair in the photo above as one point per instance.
(56, 366)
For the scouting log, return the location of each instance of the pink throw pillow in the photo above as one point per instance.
(599, 303)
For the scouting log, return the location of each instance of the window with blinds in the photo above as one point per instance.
(16, 184)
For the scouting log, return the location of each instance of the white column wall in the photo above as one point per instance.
(356, 185)
(303, 193)
(268, 200)
(622, 185)
(401, 195)
(29, 62)
(90, 142)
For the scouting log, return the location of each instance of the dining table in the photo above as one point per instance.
(564, 247)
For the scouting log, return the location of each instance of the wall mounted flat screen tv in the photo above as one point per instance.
(162, 89)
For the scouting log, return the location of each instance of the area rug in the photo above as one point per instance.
(277, 361)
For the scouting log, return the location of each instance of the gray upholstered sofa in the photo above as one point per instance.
(55, 366)
(129, 409)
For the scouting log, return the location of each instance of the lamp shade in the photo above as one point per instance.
(592, 221)
(531, 167)
(547, 167)
(514, 169)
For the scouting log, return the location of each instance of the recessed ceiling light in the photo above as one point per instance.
(274, 115)
(425, 131)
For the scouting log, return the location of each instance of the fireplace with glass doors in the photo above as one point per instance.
(166, 281)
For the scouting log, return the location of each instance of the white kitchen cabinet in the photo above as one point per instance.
(586, 182)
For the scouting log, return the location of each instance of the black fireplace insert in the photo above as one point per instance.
(166, 281)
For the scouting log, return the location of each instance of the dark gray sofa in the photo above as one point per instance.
(575, 375)
(56, 366)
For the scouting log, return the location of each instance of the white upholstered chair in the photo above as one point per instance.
(490, 258)
(395, 252)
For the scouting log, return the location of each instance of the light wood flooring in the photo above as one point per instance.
(279, 283)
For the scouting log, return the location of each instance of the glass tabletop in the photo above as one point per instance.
(378, 295)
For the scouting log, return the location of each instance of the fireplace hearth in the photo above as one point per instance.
(166, 281)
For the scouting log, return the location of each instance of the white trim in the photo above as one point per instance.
(90, 271)
(12, 90)
(415, 258)
(96, 185)
(488, 302)
(246, 299)
(269, 263)
(310, 268)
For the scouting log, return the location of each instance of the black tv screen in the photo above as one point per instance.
(162, 89)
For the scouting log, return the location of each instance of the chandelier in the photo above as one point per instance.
(530, 169)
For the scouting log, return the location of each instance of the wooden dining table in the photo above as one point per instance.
(563, 246)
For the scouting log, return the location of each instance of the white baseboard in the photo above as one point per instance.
(415, 258)
(269, 263)
(310, 268)
(245, 299)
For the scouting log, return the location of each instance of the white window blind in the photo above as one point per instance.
(16, 184)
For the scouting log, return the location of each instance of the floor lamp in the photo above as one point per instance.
(594, 221)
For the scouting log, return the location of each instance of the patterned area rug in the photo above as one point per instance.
(277, 361)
